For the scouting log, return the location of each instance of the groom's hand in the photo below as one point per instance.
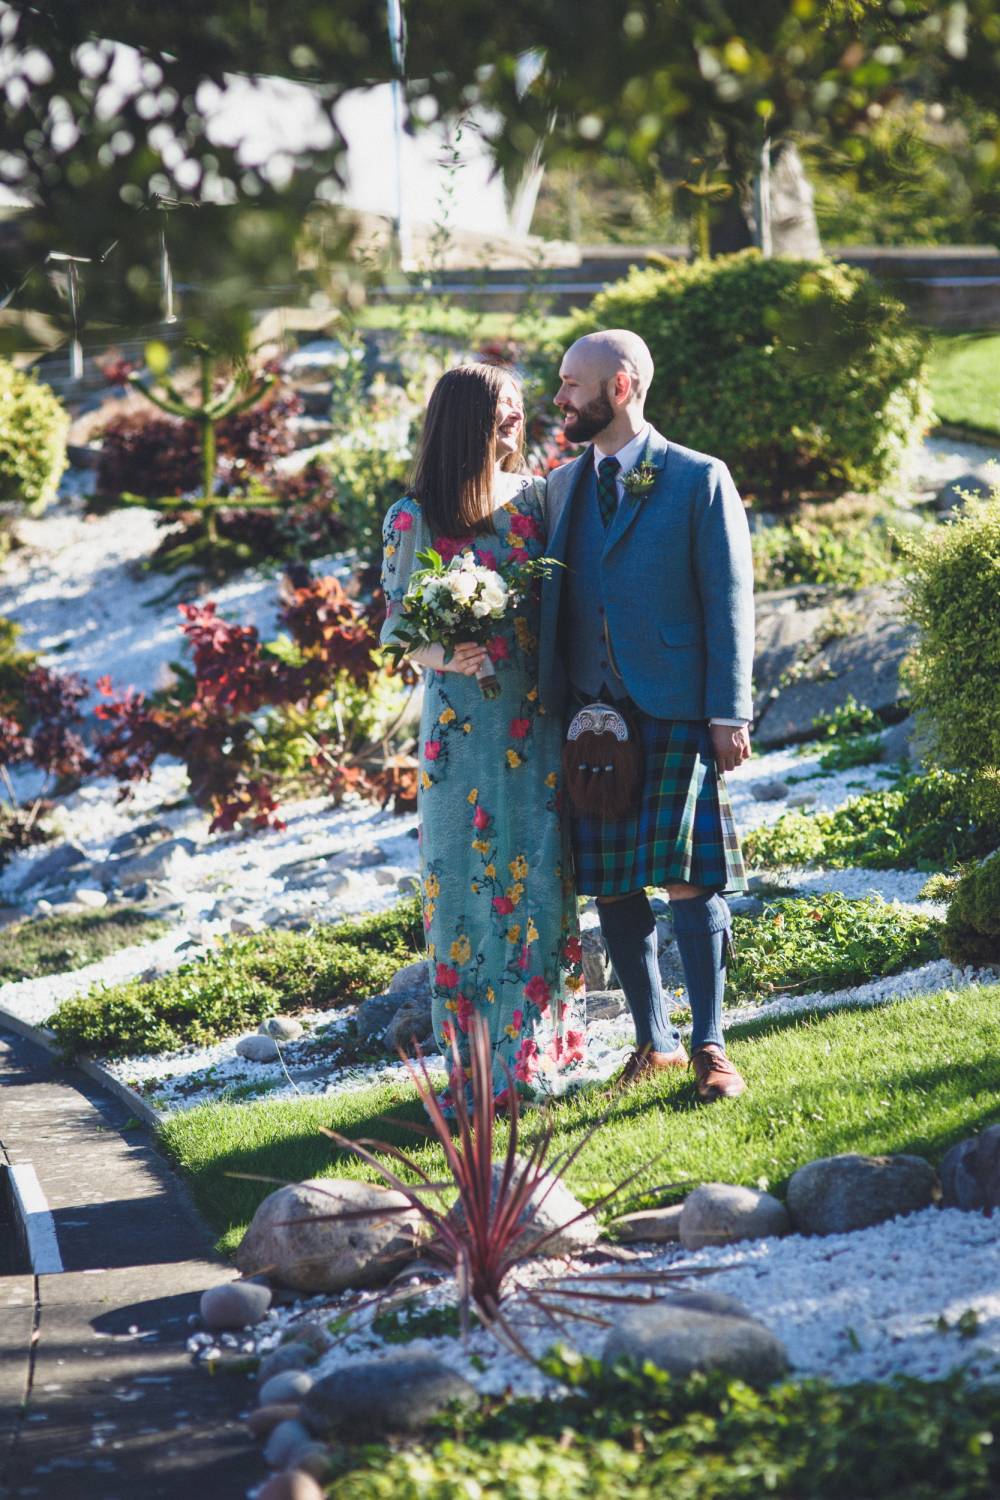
(730, 745)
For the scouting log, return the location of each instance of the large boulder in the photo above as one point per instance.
(373, 1016)
(837, 1194)
(978, 483)
(556, 1223)
(696, 1332)
(720, 1213)
(597, 970)
(301, 1236)
(372, 1398)
(970, 1172)
(411, 1026)
(167, 861)
(860, 659)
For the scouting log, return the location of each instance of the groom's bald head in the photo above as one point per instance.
(611, 350)
(604, 378)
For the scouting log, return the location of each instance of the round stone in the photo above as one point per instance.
(235, 1304)
(283, 1441)
(287, 1357)
(282, 1028)
(93, 899)
(720, 1213)
(837, 1194)
(257, 1048)
(288, 1385)
(370, 1398)
(693, 1334)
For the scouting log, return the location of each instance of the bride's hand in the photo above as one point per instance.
(466, 658)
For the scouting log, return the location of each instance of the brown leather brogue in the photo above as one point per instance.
(645, 1061)
(714, 1075)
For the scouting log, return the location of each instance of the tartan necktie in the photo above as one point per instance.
(607, 489)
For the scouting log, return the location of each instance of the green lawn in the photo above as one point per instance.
(55, 945)
(913, 1076)
(457, 322)
(965, 380)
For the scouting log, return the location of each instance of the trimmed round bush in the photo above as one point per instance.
(801, 375)
(33, 428)
(953, 674)
(971, 932)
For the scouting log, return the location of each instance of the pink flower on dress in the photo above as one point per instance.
(518, 555)
(481, 819)
(519, 728)
(449, 547)
(464, 1011)
(432, 749)
(446, 977)
(575, 1045)
(497, 648)
(537, 991)
(403, 522)
(487, 559)
(522, 525)
(573, 950)
(526, 1062)
(447, 1032)
(525, 958)
(503, 904)
(517, 1019)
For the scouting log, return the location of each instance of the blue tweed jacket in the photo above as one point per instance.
(676, 581)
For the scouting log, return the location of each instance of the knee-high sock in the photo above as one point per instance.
(701, 929)
(629, 930)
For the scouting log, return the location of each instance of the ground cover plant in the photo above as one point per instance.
(754, 357)
(917, 1075)
(625, 1434)
(825, 942)
(926, 821)
(963, 370)
(61, 943)
(239, 984)
(953, 670)
(824, 545)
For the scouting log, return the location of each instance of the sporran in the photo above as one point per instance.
(602, 762)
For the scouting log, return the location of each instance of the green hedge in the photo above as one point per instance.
(953, 598)
(33, 428)
(971, 933)
(799, 374)
(240, 984)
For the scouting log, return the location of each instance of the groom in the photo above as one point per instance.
(653, 612)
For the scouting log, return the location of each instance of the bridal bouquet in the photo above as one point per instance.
(461, 601)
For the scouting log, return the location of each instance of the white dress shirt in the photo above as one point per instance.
(627, 458)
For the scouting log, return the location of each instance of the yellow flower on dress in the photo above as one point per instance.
(490, 871)
(390, 550)
(532, 934)
(432, 886)
(429, 909)
(451, 1005)
(512, 1032)
(552, 778)
(446, 715)
(532, 694)
(467, 728)
(431, 949)
(514, 760)
(518, 867)
(514, 933)
(574, 982)
(481, 846)
(473, 794)
(425, 781)
(475, 887)
(460, 950)
(491, 993)
(515, 892)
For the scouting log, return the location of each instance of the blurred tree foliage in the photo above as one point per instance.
(109, 113)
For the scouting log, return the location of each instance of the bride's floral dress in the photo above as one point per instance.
(498, 896)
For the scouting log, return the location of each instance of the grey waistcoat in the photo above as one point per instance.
(590, 668)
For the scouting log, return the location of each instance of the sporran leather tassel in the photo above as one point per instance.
(602, 767)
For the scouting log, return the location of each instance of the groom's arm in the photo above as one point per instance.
(724, 571)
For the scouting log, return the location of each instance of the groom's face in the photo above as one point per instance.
(583, 400)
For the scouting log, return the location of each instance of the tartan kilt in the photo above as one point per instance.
(683, 829)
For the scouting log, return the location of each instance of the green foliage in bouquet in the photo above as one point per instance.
(807, 373)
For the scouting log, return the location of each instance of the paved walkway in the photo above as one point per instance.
(98, 1396)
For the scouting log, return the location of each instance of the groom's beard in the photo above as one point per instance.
(580, 426)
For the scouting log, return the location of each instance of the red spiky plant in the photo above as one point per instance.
(490, 1231)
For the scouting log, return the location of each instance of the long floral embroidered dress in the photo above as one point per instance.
(498, 897)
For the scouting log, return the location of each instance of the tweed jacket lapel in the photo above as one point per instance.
(562, 485)
(630, 506)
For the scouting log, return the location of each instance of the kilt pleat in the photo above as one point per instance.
(683, 828)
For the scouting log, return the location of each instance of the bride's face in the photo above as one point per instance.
(510, 420)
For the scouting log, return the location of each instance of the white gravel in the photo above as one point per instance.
(851, 1307)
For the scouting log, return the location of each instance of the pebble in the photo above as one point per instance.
(234, 1304)
(802, 799)
(263, 1421)
(89, 897)
(721, 1213)
(293, 1356)
(288, 1385)
(283, 1441)
(281, 1029)
(769, 791)
(294, 1485)
(257, 1048)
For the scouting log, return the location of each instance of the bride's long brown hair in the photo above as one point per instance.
(453, 472)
